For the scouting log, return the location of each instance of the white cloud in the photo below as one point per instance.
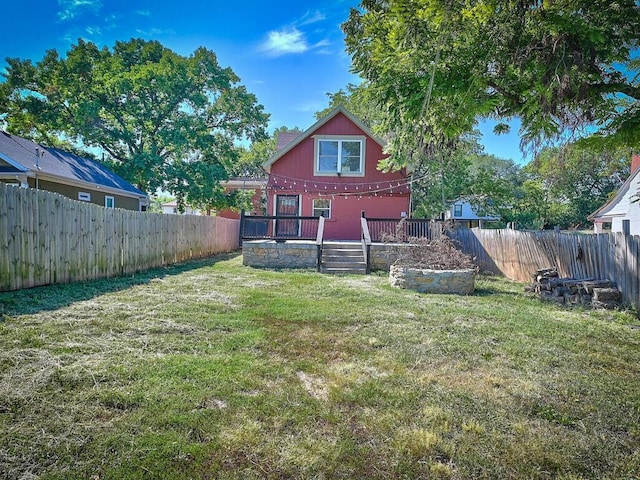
(154, 32)
(310, 106)
(69, 9)
(321, 43)
(284, 41)
(311, 17)
(290, 40)
(143, 13)
(93, 31)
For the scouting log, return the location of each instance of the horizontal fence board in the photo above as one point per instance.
(518, 254)
(46, 238)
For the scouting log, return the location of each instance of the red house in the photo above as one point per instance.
(331, 170)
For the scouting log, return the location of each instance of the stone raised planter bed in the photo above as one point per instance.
(433, 281)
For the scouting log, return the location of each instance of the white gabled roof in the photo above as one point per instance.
(304, 135)
(619, 204)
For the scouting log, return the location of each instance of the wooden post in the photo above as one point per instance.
(626, 227)
(241, 227)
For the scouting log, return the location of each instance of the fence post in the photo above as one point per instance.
(241, 228)
(626, 227)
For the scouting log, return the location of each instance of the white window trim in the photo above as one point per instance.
(313, 207)
(455, 207)
(106, 200)
(349, 138)
(84, 196)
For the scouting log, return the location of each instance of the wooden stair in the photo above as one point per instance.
(343, 258)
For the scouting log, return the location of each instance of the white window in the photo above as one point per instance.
(322, 207)
(84, 196)
(457, 210)
(339, 155)
(109, 202)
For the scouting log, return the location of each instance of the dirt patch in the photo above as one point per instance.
(314, 385)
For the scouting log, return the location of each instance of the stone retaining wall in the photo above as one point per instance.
(382, 255)
(270, 254)
(303, 254)
(433, 281)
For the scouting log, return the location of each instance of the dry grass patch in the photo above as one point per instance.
(215, 370)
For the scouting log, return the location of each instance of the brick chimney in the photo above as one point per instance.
(635, 162)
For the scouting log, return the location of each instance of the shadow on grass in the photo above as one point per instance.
(51, 297)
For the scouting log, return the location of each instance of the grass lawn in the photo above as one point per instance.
(215, 370)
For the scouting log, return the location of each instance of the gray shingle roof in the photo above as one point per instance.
(284, 138)
(21, 155)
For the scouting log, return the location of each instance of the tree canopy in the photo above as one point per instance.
(358, 99)
(161, 120)
(573, 182)
(251, 159)
(437, 66)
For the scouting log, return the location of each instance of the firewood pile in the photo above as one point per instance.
(596, 293)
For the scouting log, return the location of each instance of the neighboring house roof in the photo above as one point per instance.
(618, 206)
(284, 138)
(240, 182)
(30, 158)
(299, 137)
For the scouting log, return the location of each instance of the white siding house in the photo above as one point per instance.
(172, 208)
(462, 213)
(625, 205)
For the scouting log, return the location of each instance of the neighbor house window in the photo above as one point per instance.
(342, 156)
(457, 210)
(322, 208)
(84, 196)
(109, 202)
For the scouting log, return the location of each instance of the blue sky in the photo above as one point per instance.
(289, 53)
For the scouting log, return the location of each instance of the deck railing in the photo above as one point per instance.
(278, 227)
(366, 242)
(282, 227)
(400, 229)
(319, 243)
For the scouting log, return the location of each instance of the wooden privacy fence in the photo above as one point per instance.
(518, 254)
(46, 238)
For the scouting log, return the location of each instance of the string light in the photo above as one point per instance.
(350, 189)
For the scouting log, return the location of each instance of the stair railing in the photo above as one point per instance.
(319, 243)
(366, 242)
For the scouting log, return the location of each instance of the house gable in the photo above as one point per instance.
(299, 159)
(338, 121)
(623, 206)
(7, 164)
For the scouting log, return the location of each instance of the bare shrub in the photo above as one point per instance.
(438, 253)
